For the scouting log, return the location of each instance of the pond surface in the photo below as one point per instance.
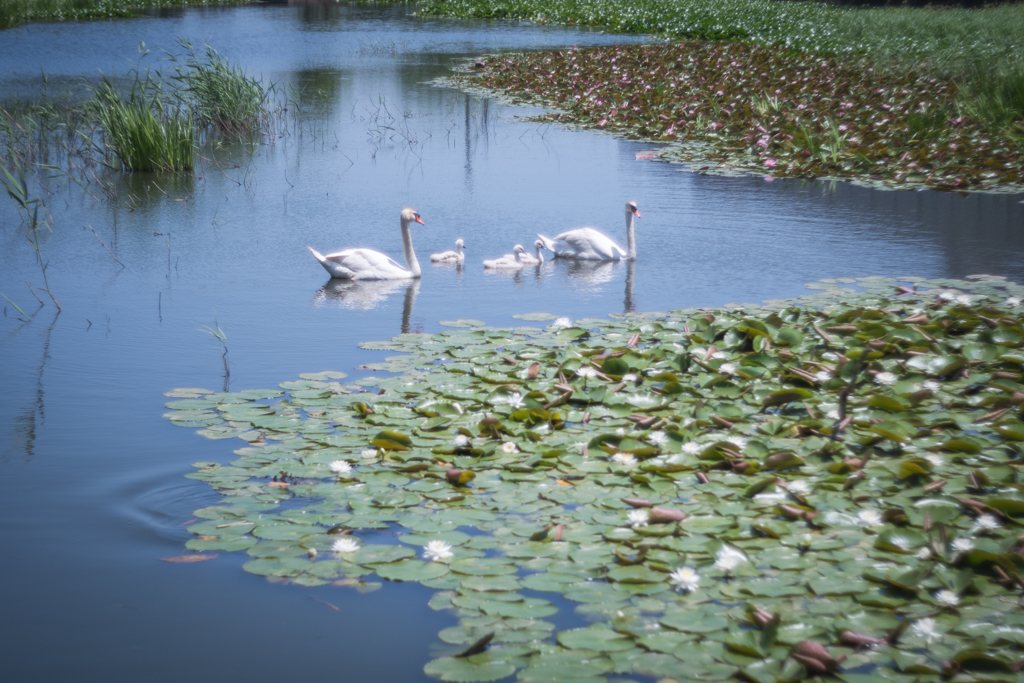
(92, 492)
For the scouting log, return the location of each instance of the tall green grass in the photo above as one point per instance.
(220, 95)
(15, 12)
(142, 130)
(152, 123)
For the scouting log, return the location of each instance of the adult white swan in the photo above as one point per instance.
(367, 264)
(511, 261)
(587, 244)
(450, 256)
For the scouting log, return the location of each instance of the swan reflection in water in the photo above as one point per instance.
(366, 295)
(589, 277)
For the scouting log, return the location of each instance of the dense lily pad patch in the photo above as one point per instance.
(750, 108)
(823, 486)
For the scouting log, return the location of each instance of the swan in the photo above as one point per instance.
(450, 256)
(528, 259)
(587, 244)
(506, 263)
(367, 264)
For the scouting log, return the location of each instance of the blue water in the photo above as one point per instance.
(92, 492)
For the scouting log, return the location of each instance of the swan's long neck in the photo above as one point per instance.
(410, 255)
(540, 256)
(458, 249)
(630, 237)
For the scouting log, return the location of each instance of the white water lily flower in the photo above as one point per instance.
(586, 372)
(728, 558)
(659, 438)
(823, 375)
(925, 628)
(346, 544)
(948, 295)
(947, 597)
(629, 377)
(886, 378)
(727, 368)
(800, 487)
(624, 459)
(963, 545)
(986, 523)
(692, 448)
(437, 551)
(924, 553)
(685, 579)
(516, 400)
(776, 495)
(509, 448)
(461, 440)
(341, 467)
(729, 551)
(718, 354)
(561, 323)
(1013, 301)
(964, 299)
(832, 414)
(368, 453)
(935, 460)
(738, 441)
(869, 518)
(930, 385)
(638, 517)
(621, 431)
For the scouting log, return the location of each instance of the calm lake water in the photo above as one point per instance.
(91, 477)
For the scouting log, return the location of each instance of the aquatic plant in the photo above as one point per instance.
(218, 94)
(222, 340)
(752, 108)
(797, 523)
(142, 130)
(951, 42)
(17, 188)
(978, 49)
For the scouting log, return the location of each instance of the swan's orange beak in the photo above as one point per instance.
(636, 212)
(419, 220)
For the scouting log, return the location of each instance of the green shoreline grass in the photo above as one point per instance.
(954, 42)
(17, 12)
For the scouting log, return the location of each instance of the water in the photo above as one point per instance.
(92, 493)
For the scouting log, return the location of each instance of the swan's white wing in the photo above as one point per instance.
(557, 245)
(589, 244)
(367, 264)
(444, 256)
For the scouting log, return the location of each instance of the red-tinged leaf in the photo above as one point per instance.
(189, 558)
